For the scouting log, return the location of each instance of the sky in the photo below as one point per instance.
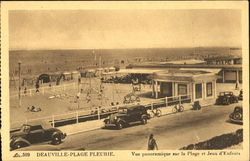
(108, 29)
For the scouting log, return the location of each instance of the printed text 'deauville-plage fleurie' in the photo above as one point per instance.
(73, 154)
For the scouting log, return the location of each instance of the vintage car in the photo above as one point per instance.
(237, 115)
(127, 115)
(226, 98)
(35, 133)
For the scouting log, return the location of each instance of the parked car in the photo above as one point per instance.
(127, 115)
(35, 133)
(237, 115)
(240, 97)
(226, 98)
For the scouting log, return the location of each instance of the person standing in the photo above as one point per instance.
(37, 87)
(152, 143)
(25, 91)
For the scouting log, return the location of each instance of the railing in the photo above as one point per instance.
(87, 115)
(168, 101)
(43, 90)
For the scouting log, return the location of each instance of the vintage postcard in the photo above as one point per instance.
(125, 80)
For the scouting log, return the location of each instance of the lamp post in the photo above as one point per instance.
(19, 84)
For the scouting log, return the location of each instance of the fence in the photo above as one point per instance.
(43, 90)
(87, 115)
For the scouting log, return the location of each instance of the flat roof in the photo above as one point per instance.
(224, 57)
(161, 65)
(187, 61)
(211, 70)
(139, 71)
(177, 70)
(184, 75)
(183, 72)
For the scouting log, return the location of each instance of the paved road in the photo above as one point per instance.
(171, 131)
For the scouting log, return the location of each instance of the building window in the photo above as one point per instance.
(198, 91)
(182, 89)
(209, 89)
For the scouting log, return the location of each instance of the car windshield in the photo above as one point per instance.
(238, 109)
(25, 128)
(122, 110)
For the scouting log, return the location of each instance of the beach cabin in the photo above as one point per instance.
(75, 75)
(111, 69)
(67, 75)
(99, 71)
(90, 73)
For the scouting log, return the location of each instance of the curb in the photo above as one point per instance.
(73, 133)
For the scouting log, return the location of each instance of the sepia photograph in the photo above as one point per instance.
(137, 79)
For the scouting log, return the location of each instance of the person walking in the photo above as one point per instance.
(152, 143)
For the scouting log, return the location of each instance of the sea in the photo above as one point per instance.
(46, 61)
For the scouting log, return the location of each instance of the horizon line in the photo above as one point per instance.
(237, 47)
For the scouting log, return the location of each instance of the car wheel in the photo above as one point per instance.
(151, 114)
(119, 126)
(158, 113)
(181, 108)
(237, 116)
(18, 145)
(56, 140)
(174, 110)
(144, 121)
(217, 102)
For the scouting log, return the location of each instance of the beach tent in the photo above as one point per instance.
(45, 78)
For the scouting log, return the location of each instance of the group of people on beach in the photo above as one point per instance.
(34, 109)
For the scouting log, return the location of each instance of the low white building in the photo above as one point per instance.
(198, 85)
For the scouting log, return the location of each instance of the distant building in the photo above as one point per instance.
(186, 61)
(182, 83)
(230, 73)
(230, 60)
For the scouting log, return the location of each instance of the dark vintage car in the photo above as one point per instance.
(226, 98)
(35, 133)
(127, 115)
(237, 115)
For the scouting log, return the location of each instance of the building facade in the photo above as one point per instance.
(196, 85)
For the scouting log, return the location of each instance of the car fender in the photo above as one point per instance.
(105, 120)
(144, 116)
(22, 140)
(56, 133)
(119, 120)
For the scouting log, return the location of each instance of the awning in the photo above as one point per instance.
(66, 73)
